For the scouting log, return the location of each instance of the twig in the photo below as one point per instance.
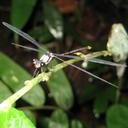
(29, 84)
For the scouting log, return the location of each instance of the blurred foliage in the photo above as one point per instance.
(62, 26)
(24, 8)
(14, 78)
(119, 111)
(13, 119)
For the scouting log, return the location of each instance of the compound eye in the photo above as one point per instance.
(42, 64)
(36, 63)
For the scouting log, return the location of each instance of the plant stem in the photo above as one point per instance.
(118, 93)
(29, 84)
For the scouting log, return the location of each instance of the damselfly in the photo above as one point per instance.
(48, 56)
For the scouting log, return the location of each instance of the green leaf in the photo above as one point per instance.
(100, 104)
(89, 92)
(41, 33)
(53, 19)
(45, 122)
(30, 115)
(4, 92)
(124, 101)
(58, 120)
(69, 29)
(76, 124)
(14, 118)
(21, 11)
(60, 89)
(103, 98)
(14, 76)
(117, 117)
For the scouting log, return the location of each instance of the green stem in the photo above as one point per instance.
(43, 77)
(118, 93)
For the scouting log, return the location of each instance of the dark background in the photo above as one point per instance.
(85, 22)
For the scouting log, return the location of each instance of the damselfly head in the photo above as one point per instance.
(37, 63)
(44, 60)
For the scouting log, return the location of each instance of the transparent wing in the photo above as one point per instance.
(23, 34)
(94, 60)
(105, 62)
(33, 41)
(26, 47)
(89, 73)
